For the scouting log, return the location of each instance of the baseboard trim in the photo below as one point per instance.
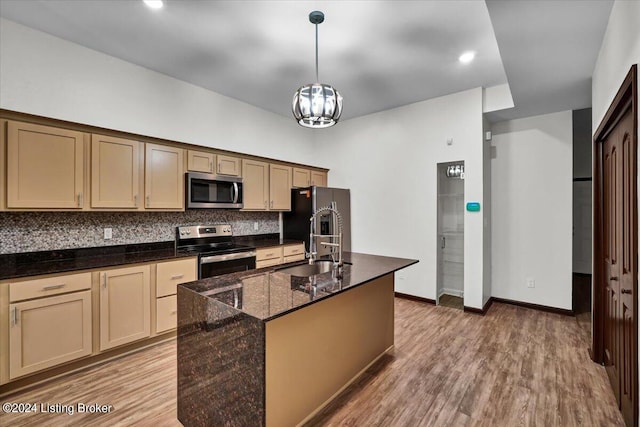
(539, 307)
(482, 311)
(414, 298)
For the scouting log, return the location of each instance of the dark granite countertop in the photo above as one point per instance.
(265, 240)
(27, 264)
(266, 293)
(66, 260)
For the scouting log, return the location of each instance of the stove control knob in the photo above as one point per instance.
(188, 231)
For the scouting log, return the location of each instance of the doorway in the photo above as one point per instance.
(615, 280)
(450, 292)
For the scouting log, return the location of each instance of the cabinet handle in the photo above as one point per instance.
(268, 255)
(79, 200)
(177, 276)
(147, 198)
(210, 166)
(219, 166)
(52, 287)
(104, 280)
(174, 312)
(265, 204)
(15, 316)
(272, 204)
(135, 200)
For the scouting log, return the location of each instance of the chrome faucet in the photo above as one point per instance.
(313, 249)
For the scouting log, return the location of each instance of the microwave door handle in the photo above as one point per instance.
(235, 192)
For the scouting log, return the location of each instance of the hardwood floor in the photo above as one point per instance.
(514, 366)
(451, 301)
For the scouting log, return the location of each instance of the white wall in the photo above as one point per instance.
(44, 75)
(486, 160)
(620, 49)
(531, 187)
(389, 160)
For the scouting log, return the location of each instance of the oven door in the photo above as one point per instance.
(205, 190)
(217, 265)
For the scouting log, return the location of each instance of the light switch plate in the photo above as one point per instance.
(108, 233)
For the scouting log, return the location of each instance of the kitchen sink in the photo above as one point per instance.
(306, 270)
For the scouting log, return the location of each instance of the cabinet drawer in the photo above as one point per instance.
(292, 258)
(166, 313)
(269, 253)
(172, 273)
(294, 250)
(50, 286)
(268, 262)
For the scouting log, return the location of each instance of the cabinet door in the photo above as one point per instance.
(319, 178)
(228, 165)
(125, 306)
(44, 167)
(280, 188)
(49, 331)
(166, 313)
(115, 172)
(164, 177)
(301, 177)
(199, 161)
(255, 185)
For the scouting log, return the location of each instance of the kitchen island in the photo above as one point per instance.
(265, 348)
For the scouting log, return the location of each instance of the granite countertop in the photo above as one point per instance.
(27, 264)
(67, 260)
(266, 293)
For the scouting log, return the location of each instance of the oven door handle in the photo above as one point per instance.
(234, 191)
(227, 257)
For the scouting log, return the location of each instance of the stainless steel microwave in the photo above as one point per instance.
(206, 191)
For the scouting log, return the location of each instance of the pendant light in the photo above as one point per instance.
(317, 105)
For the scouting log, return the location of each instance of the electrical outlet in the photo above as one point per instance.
(108, 233)
(255, 226)
(531, 283)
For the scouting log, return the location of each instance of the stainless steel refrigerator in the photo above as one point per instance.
(304, 202)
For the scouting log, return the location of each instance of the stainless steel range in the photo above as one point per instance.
(217, 253)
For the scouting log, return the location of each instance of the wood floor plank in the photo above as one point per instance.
(514, 366)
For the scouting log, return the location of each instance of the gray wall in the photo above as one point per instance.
(39, 231)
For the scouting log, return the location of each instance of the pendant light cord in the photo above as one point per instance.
(317, 79)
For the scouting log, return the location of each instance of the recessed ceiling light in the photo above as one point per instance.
(467, 57)
(154, 4)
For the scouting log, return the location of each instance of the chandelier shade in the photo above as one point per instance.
(317, 105)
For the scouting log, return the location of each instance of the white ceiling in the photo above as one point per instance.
(378, 54)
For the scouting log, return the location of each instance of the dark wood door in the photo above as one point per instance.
(612, 203)
(616, 247)
(626, 271)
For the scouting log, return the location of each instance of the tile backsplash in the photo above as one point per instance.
(42, 231)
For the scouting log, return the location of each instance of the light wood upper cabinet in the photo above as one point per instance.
(280, 187)
(255, 184)
(125, 306)
(49, 331)
(228, 165)
(319, 178)
(164, 177)
(200, 161)
(115, 172)
(45, 167)
(301, 177)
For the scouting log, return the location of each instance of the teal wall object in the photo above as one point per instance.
(473, 206)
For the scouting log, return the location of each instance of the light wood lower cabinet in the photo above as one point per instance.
(49, 331)
(166, 313)
(125, 305)
(171, 273)
(45, 167)
(275, 255)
